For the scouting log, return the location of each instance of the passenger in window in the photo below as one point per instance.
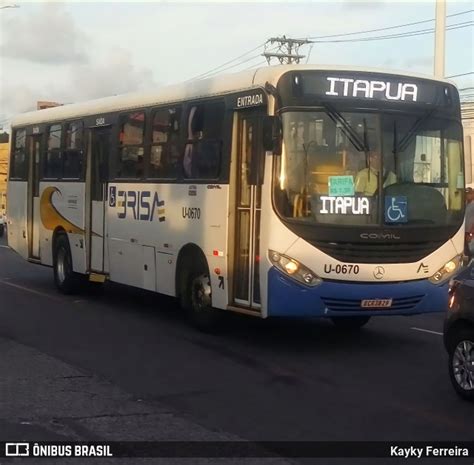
(470, 210)
(191, 153)
(352, 160)
(469, 249)
(367, 179)
(173, 155)
(156, 160)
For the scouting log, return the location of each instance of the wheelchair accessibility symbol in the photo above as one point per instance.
(113, 196)
(396, 210)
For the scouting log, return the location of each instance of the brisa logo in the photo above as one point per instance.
(139, 205)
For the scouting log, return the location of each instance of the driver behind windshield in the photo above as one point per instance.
(367, 179)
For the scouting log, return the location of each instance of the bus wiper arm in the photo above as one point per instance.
(347, 129)
(403, 144)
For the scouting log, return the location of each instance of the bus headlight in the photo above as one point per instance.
(294, 269)
(447, 270)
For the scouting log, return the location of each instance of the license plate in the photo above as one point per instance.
(376, 303)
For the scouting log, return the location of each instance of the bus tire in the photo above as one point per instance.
(64, 277)
(2, 230)
(350, 322)
(199, 303)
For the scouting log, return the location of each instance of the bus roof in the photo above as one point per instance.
(188, 90)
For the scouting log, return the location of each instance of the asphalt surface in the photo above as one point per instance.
(124, 364)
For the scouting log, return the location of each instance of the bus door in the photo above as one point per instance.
(246, 276)
(34, 150)
(99, 144)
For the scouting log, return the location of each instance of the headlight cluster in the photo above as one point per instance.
(294, 269)
(447, 270)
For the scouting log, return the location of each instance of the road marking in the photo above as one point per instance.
(427, 331)
(23, 288)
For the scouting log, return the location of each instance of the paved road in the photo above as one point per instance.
(127, 362)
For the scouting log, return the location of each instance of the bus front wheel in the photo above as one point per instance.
(199, 303)
(350, 322)
(64, 276)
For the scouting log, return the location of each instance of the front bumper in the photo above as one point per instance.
(338, 298)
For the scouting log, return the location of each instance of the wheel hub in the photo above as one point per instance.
(463, 365)
(201, 295)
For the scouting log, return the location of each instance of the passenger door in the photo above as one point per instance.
(246, 281)
(98, 155)
(33, 216)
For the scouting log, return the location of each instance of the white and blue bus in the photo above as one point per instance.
(295, 191)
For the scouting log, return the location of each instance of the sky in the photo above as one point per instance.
(74, 51)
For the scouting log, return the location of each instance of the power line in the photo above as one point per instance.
(309, 53)
(224, 67)
(227, 62)
(216, 71)
(397, 36)
(388, 28)
(253, 66)
(459, 75)
(209, 74)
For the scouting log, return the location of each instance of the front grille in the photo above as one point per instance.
(348, 305)
(357, 252)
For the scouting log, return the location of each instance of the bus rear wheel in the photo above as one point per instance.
(350, 322)
(199, 303)
(64, 277)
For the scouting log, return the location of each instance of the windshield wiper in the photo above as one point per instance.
(411, 132)
(347, 129)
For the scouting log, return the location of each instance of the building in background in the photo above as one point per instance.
(467, 114)
(41, 104)
(4, 153)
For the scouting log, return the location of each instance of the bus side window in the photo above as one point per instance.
(52, 168)
(73, 156)
(18, 164)
(131, 150)
(164, 155)
(203, 151)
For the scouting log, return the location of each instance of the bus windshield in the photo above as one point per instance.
(370, 168)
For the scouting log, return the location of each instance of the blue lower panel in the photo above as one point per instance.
(288, 298)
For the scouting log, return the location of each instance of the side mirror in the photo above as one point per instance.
(272, 134)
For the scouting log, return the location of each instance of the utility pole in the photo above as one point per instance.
(440, 35)
(287, 51)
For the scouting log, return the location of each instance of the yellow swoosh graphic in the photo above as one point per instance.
(50, 217)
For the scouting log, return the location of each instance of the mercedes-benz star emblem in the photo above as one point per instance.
(379, 272)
